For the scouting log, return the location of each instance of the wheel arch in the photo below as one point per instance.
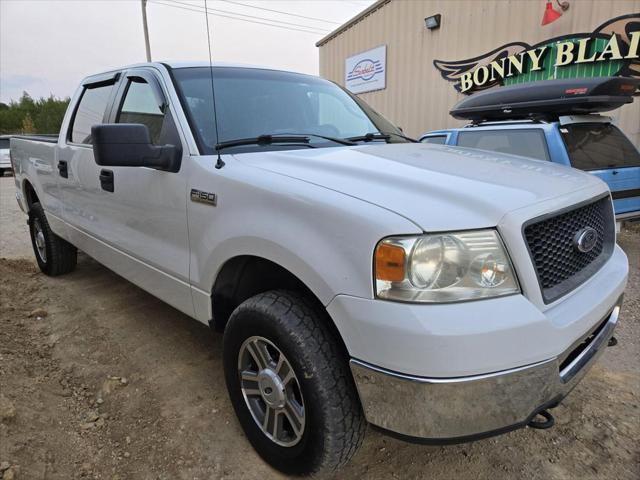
(243, 276)
(30, 194)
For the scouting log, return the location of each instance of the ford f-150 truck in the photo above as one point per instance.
(441, 294)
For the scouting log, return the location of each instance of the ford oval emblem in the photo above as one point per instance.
(585, 240)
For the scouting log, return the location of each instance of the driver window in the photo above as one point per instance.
(140, 105)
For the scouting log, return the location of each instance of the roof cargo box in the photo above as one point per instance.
(571, 96)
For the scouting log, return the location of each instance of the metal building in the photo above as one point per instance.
(406, 58)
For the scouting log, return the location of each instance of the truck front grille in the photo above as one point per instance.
(552, 242)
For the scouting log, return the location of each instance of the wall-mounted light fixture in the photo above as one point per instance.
(433, 21)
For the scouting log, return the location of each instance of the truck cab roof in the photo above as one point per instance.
(168, 64)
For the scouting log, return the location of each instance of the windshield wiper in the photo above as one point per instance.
(265, 140)
(369, 137)
(341, 141)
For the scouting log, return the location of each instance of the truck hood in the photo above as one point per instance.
(436, 187)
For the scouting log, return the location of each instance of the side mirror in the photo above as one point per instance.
(129, 145)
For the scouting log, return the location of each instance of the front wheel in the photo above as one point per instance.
(290, 384)
(55, 256)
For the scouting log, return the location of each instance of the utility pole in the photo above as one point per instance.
(143, 4)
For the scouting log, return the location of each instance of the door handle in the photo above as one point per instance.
(106, 180)
(63, 169)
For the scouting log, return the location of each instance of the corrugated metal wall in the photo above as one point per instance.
(417, 98)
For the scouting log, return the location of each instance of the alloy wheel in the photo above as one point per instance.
(41, 244)
(271, 391)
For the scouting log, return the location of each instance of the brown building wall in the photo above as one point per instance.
(416, 97)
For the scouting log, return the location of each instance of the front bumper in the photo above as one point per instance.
(452, 410)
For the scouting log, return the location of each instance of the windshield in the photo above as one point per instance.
(597, 146)
(4, 143)
(252, 102)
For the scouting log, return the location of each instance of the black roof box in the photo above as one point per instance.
(571, 96)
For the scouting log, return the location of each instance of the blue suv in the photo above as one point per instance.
(538, 121)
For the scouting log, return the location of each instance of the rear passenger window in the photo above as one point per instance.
(90, 112)
(599, 146)
(527, 143)
(140, 105)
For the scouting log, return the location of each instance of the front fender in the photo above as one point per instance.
(323, 237)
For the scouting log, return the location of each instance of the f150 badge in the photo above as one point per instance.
(204, 197)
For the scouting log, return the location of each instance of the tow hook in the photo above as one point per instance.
(548, 421)
(613, 341)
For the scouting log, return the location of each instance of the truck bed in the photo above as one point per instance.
(44, 137)
(34, 157)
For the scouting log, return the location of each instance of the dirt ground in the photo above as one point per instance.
(99, 379)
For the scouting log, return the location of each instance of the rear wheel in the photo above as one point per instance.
(55, 256)
(290, 384)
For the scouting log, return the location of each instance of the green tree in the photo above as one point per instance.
(28, 115)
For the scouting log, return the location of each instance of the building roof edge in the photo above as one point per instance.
(350, 23)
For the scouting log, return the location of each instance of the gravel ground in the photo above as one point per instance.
(100, 380)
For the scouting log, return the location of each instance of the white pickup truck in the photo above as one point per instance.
(441, 294)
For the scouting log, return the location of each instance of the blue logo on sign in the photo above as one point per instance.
(365, 70)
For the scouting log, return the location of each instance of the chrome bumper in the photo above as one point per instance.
(452, 410)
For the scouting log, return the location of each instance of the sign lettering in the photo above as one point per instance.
(612, 49)
(366, 71)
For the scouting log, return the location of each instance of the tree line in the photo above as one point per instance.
(29, 115)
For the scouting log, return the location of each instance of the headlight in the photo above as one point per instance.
(443, 267)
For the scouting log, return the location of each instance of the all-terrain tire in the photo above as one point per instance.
(55, 256)
(298, 328)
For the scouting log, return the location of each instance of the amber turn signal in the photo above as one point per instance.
(390, 261)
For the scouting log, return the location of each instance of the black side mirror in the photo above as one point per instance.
(129, 145)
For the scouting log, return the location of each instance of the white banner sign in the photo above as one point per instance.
(366, 71)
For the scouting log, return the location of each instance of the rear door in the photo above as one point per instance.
(602, 149)
(77, 170)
